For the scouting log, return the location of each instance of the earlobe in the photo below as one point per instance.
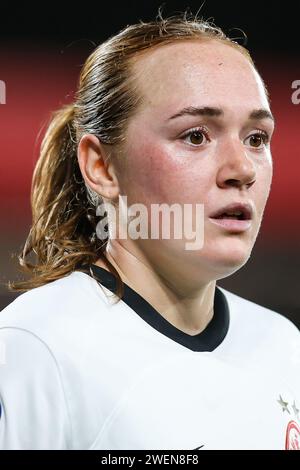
(96, 167)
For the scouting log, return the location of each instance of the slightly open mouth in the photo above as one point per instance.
(237, 216)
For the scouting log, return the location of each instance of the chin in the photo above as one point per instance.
(223, 259)
(216, 263)
(230, 262)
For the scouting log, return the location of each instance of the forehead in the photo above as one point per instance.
(190, 71)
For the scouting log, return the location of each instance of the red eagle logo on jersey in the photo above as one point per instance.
(292, 440)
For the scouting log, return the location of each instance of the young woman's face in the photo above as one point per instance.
(226, 160)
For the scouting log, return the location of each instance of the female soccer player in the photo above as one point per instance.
(169, 112)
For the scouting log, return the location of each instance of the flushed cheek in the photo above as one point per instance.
(159, 175)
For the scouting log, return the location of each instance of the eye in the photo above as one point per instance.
(197, 136)
(258, 139)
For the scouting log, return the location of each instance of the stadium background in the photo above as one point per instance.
(41, 53)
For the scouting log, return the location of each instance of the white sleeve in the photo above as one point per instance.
(34, 412)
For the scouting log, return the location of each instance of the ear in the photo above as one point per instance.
(96, 167)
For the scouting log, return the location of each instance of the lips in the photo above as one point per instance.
(237, 211)
(233, 218)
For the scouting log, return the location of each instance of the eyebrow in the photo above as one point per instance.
(256, 114)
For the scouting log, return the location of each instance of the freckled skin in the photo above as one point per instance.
(162, 168)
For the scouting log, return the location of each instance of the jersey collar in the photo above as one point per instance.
(208, 340)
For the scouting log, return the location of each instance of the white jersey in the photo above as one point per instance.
(79, 372)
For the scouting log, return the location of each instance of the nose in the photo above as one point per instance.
(236, 168)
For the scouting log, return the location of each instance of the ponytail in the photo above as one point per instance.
(63, 231)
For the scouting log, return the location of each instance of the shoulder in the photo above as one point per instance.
(56, 303)
(62, 314)
(256, 316)
(50, 340)
(265, 336)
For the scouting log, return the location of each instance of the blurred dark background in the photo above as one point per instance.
(42, 50)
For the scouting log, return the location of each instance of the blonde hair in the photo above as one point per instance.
(63, 230)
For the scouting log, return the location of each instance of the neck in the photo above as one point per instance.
(188, 309)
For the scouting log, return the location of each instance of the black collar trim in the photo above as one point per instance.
(208, 340)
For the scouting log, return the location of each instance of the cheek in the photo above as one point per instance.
(160, 174)
(263, 183)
